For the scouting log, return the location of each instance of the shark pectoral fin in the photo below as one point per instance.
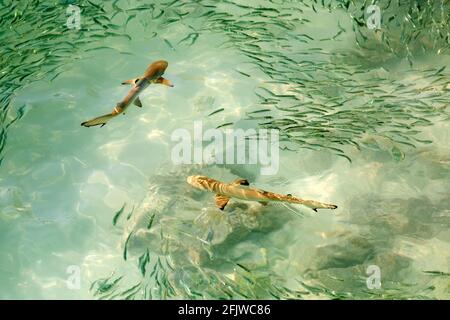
(264, 203)
(131, 81)
(102, 120)
(221, 201)
(137, 102)
(240, 182)
(164, 81)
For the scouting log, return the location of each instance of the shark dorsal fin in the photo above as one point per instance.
(131, 81)
(221, 201)
(240, 182)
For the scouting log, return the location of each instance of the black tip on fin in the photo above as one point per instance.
(241, 182)
(315, 209)
(102, 125)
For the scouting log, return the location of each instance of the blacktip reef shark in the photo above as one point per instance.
(225, 191)
(153, 74)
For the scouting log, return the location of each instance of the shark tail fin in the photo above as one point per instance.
(311, 203)
(318, 205)
(102, 120)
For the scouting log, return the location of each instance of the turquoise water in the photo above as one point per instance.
(364, 124)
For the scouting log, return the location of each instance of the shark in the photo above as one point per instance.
(239, 189)
(153, 74)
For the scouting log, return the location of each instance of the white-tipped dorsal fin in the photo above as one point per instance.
(137, 102)
(240, 182)
(131, 81)
(221, 201)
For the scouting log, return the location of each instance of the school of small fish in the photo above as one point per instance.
(318, 98)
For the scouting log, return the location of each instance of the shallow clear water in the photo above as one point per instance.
(364, 124)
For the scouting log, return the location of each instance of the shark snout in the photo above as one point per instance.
(160, 64)
(193, 180)
(156, 69)
(190, 179)
(196, 181)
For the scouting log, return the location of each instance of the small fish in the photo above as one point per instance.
(143, 261)
(216, 111)
(118, 214)
(243, 73)
(153, 74)
(225, 191)
(224, 125)
(125, 249)
(169, 44)
(192, 37)
(259, 111)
